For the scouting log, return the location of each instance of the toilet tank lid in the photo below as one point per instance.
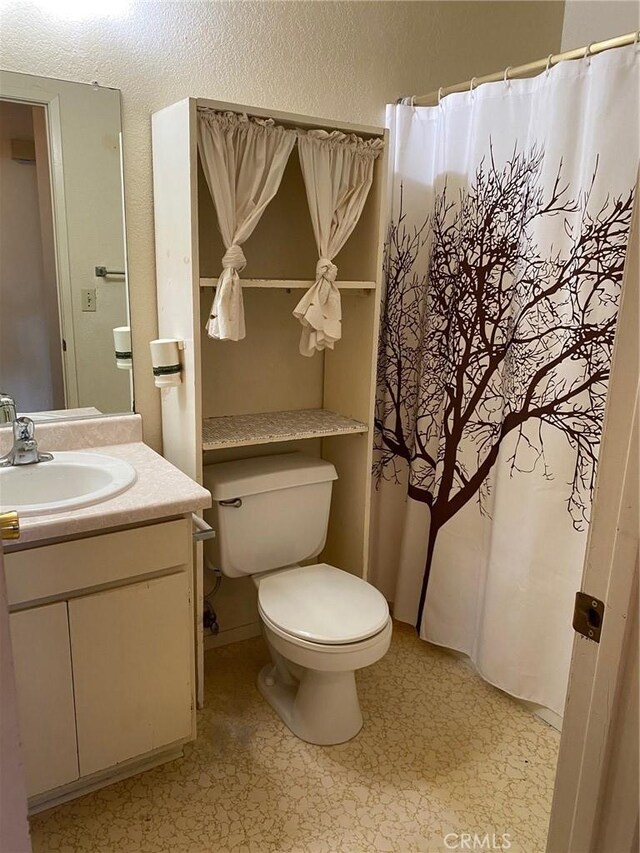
(228, 480)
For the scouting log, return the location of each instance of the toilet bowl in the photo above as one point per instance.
(321, 623)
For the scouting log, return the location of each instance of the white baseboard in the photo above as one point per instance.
(549, 717)
(232, 635)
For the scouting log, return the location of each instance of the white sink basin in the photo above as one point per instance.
(69, 481)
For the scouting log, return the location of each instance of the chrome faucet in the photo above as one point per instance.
(25, 446)
(7, 409)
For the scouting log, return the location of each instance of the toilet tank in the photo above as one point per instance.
(268, 512)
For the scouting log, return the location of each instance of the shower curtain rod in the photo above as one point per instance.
(524, 70)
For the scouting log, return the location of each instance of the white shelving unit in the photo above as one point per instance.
(238, 397)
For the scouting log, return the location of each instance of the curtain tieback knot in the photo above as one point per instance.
(326, 269)
(234, 258)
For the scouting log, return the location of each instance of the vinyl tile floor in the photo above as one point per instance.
(441, 753)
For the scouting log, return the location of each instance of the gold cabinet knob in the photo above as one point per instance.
(9, 525)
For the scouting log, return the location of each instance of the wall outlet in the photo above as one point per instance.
(88, 298)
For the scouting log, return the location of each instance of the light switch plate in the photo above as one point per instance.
(88, 298)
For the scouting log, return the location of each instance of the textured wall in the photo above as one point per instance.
(337, 59)
(596, 20)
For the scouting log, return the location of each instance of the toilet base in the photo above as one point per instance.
(319, 707)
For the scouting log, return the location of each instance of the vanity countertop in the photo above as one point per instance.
(160, 491)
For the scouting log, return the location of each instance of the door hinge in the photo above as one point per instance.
(588, 615)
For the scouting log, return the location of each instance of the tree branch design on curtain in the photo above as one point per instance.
(499, 337)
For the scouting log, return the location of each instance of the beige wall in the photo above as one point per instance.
(586, 21)
(338, 59)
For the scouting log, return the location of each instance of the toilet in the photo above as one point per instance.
(321, 623)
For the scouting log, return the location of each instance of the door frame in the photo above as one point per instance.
(609, 574)
(25, 89)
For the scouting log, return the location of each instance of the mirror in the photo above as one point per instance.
(63, 285)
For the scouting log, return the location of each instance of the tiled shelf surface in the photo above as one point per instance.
(267, 427)
(287, 283)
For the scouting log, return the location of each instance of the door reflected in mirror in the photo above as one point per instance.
(65, 340)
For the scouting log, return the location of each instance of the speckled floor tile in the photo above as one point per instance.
(441, 752)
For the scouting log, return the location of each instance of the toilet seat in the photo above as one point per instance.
(336, 651)
(322, 605)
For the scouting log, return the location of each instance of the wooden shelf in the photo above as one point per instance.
(267, 427)
(282, 284)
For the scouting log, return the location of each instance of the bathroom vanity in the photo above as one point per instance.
(100, 583)
(102, 622)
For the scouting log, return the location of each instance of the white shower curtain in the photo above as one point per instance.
(511, 207)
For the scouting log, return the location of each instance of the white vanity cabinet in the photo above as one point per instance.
(102, 633)
(131, 670)
(44, 685)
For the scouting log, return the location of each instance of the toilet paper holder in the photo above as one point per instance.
(165, 361)
(122, 347)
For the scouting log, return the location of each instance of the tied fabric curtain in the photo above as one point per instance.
(243, 160)
(511, 209)
(338, 173)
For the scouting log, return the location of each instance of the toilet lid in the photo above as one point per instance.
(322, 604)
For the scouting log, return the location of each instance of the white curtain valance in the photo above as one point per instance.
(338, 173)
(370, 148)
(243, 159)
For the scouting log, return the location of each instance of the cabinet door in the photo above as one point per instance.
(42, 656)
(132, 670)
